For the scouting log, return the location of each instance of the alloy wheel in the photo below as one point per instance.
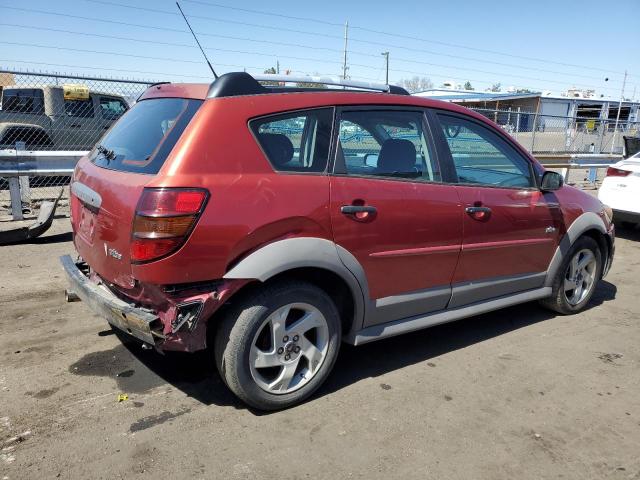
(580, 276)
(289, 348)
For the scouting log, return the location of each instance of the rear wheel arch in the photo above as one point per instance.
(311, 260)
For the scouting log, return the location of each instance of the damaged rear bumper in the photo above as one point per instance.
(137, 322)
(178, 315)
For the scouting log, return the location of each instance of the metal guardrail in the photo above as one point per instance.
(21, 167)
(37, 162)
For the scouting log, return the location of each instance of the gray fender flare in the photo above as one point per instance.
(292, 253)
(586, 221)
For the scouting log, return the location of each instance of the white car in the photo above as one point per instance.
(620, 190)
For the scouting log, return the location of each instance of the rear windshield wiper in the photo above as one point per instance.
(106, 152)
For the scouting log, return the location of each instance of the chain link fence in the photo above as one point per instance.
(550, 134)
(41, 111)
(54, 112)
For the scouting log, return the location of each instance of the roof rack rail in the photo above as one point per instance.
(242, 83)
(380, 87)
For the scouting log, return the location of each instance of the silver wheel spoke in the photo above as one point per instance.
(573, 268)
(310, 320)
(283, 382)
(569, 285)
(577, 293)
(265, 359)
(278, 325)
(312, 354)
(585, 261)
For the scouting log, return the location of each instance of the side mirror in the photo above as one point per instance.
(551, 181)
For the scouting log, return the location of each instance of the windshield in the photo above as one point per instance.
(142, 139)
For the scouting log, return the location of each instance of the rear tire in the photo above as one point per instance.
(576, 279)
(278, 345)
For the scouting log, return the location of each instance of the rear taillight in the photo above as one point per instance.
(163, 221)
(617, 172)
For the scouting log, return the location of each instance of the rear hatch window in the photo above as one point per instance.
(143, 138)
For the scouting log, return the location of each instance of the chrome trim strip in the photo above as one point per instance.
(416, 251)
(472, 247)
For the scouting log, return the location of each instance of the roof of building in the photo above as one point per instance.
(475, 96)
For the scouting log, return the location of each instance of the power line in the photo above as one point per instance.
(214, 19)
(498, 74)
(312, 47)
(168, 29)
(338, 37)
(185, 45)
(102, 52)
(407, 37)
(271, 14)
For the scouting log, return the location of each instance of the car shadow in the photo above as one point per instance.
(628, 233)
(378, 358)
(55, 238)
(195, 373)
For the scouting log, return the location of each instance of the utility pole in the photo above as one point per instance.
(346, 39)
(386, 57)
(615, 128)
(278, 67)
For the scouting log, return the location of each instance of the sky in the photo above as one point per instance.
(542, 45)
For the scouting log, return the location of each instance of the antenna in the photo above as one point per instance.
(215, 75)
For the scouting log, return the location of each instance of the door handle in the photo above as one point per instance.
(481, 214)
(475, 210)
(353, 209)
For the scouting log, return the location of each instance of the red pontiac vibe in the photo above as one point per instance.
(274, 223)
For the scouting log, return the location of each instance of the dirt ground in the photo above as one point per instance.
(516, 394)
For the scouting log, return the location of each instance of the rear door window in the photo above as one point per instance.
(296, 142)
(23, 100)
(144, 136)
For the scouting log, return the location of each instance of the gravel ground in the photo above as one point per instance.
(516, 394)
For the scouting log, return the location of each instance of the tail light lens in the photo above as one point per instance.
(164, 219)
(617, 172)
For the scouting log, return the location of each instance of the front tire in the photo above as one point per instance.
(279, 344)
(576, 278)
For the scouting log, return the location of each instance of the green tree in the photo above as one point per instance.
(495, 87)
(468, 86)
